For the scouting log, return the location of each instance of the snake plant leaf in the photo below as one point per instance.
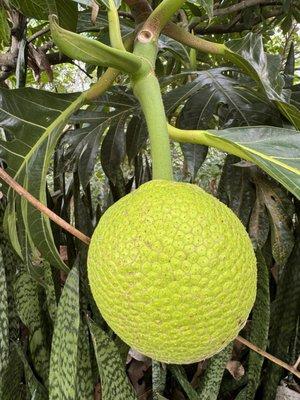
(114, 382)
(259, 326)
(159, 376)
(31, 140)
(275, 150)
(248, 54)
(211, 381)
(4, 322)
(91, 51)
(27, 293)
(84, 380)
(179, 373)
(10, 264)
(13, 387)
(4, 28)
(64, 354)
(50, 293)
(284, 319)
(36, 389)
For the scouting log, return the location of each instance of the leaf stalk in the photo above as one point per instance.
(114, 27)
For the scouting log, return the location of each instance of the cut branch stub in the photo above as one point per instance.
(145, 36)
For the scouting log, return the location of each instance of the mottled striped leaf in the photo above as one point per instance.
(13, 387)
(211, 381)
(159, 375)
(179, 373)
(36, 389)
(64, 350)
(284, 317)
(114, 382)
(49, 290)
(84, 380)
(27, 293)
(259, 326)
(4, 28)
(10, 263)
(34, 121)
(4, 324)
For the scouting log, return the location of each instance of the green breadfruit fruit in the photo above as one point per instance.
(172, 271)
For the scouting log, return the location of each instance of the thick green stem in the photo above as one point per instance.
(114, 27)
(161, 15)
(103, 84)
(147, 90)
(206, 138)
(183, 36)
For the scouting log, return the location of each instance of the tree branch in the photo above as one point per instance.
(238, 27)
(234, 8)
(39, 34)
(42, 208)
(160, 16)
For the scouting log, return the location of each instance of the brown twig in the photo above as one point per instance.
(42, 208)
(85, 239)
(263, 353)
(38, 34)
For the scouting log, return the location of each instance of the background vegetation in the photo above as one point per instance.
(53, 341)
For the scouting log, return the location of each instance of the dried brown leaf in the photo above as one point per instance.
(236, 369)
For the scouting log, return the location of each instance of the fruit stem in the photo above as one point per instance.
(146, 88)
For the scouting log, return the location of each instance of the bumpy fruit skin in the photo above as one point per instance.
(172, 271)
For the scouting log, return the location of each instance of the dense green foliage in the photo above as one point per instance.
(79, 157)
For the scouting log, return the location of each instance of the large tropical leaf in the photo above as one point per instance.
(248, 53)
(67, 10)
(31, 140)
(275, 150)
(220, 94)
(236, 190)
(81, 146)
